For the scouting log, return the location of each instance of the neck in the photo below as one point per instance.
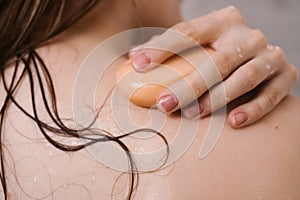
(106, 19)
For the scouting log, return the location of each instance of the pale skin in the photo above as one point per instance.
(259, 161)
(239, 48)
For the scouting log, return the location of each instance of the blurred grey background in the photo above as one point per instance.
(278, 19)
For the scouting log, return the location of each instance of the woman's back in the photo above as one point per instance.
(257, 162)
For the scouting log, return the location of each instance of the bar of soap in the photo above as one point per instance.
(143, 89)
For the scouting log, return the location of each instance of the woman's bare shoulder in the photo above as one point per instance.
(285, 118)
(257, 162)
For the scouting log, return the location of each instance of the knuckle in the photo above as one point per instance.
(223, 62)
(294, 73)
(233, 8)
(197, 83)
(273, 97)
(278, 53)
(257, 38)
(258, 111)
(233, 14)
(249, 77)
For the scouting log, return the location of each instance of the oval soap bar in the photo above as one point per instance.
(143, 88)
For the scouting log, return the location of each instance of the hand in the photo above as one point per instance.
(243, 58)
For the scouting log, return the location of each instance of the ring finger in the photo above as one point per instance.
(249, 76)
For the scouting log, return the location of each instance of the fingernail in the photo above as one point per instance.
(239, 118)
(141, 61)
(194, 111)
(167, 103)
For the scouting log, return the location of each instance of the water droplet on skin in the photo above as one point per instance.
(270, 47)
(238, 49)
(35, 179)
(241, 55)
(139, 149)
(270, 68)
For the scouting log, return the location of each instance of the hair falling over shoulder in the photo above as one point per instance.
(23, 29)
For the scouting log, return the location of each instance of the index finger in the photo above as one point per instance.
(184, 35)
(186, 90)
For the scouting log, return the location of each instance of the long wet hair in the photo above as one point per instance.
(25, 26)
